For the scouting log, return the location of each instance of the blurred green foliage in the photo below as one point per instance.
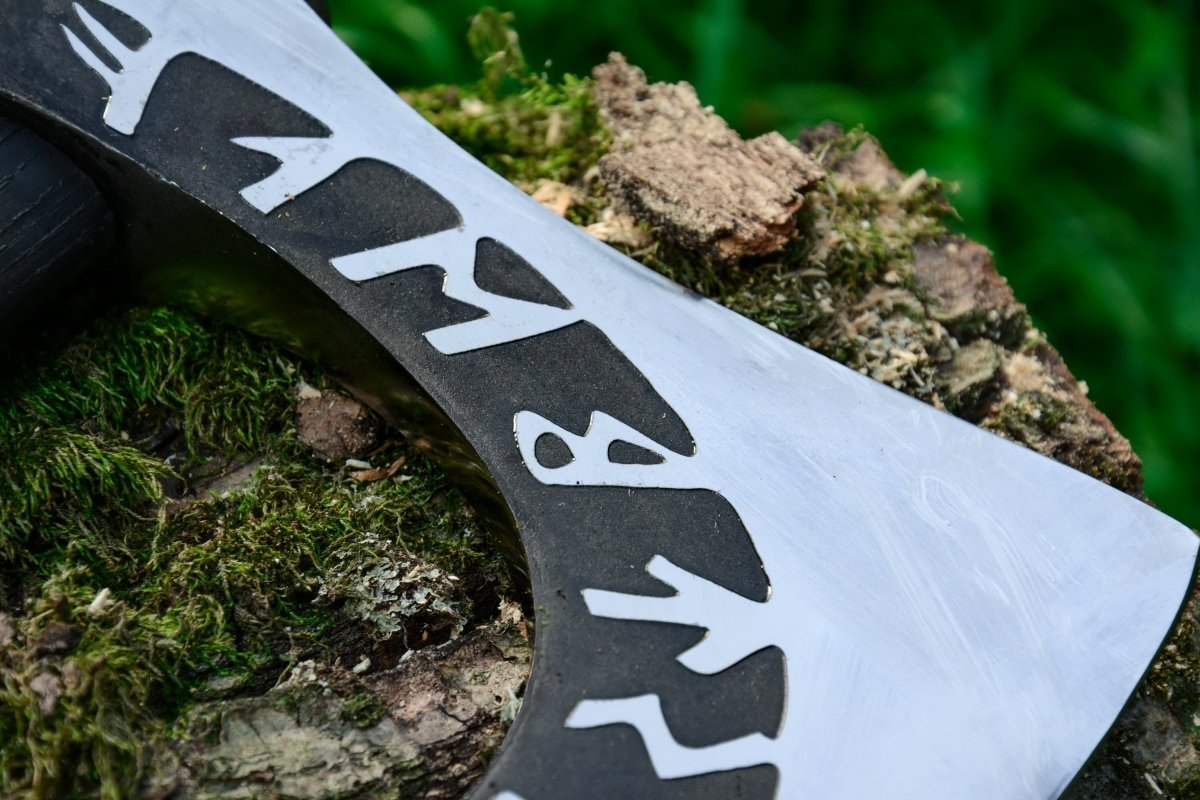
(1071, 129)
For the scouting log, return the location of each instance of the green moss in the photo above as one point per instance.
(857, 233)
(1028, 417)
(74, 432)
(497, 47)
(546, 130)
(265, 551)
(217, 382)
(162, 592)
(52, 478)
(362, 710)
(77, 710)
(522, 125)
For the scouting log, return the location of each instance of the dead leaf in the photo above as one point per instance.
(373, 475)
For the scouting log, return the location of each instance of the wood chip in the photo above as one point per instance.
(378, 474)
(681, 167)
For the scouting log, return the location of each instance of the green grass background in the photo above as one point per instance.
(1071, 129)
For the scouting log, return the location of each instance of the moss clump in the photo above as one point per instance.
(362, 710)
(1027, 416)
(497, 47)
(77, 436)
(83, 676)
(521, 124)
(127, 586)
(546, 130)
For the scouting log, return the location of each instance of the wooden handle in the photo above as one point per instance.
(53, 222)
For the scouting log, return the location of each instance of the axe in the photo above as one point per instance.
(757, 573)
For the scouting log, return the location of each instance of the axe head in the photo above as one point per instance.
(757, 573)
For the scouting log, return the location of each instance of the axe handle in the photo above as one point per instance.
(53, 222)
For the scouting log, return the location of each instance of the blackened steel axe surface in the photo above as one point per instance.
(757, 574)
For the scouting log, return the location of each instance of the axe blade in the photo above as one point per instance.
(756, 571)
